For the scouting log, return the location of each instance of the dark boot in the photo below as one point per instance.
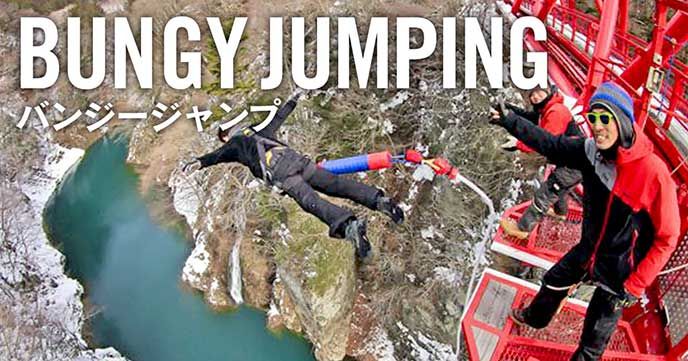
(600, 322)
(387, 206)
(543, 307)
(518, 316)
(355, 232)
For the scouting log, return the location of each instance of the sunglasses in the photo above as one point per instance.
(604, 117)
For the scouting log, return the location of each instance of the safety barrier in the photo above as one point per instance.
(492, 336)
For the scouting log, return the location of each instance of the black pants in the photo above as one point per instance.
(299, 177)
(554, 191)
(601, 316)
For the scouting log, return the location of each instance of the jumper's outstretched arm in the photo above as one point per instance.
(280, 117)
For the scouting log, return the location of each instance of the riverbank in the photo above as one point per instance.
(42, 313)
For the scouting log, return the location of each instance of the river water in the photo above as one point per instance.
(130, 267)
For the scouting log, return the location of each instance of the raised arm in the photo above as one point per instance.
(280, 117)
(529, 115)
(560, 150)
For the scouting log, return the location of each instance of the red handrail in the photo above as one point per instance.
(573, 37)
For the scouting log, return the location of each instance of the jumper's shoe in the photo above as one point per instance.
(387, 206)
(553, 214)
(511, 229)
(518, 316)
(356, 233)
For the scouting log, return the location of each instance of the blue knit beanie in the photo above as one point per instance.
(614, 98)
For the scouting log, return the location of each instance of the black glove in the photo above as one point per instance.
(191, 166)
(498, 112)
(624, 301)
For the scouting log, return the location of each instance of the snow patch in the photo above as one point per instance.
(430, 233)
(379, 345)
(273, 310)
(236, 285)
(56, 303)
(398, 99)
(448, 275)
(197, 264)
(185, 196)
(424, 348)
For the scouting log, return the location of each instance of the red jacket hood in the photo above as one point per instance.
(554, 118)
(555, 99)
(642, 147)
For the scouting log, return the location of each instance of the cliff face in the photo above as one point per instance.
(41, 311)
(40, 306)
(318, 276)
(404, 306)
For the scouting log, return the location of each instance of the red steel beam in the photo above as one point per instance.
(603, 46)
(547, 6)
(680, 5)
(636, 73)
(623, 17)
(516, 7)
(678, 352)
(657, 46)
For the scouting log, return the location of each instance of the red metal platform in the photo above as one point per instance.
(492, 336)
(550, 239)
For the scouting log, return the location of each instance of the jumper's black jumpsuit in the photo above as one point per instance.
(297, 175)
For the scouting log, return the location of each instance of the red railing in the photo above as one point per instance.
(668, 107)
(571, 43)
(582, 29)
(574, 33)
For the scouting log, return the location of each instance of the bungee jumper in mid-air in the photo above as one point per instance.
(278, 165)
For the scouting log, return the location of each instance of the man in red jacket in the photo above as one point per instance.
(631, 219)
(549, 112)
(554, 117)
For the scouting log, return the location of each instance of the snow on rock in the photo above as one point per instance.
(385, 126)
(514, 191)
(41, 299)
(185, 196)
(197, 264)
(423, 172)
(187, 202)
(103, 354)
(430, 233)
(215, 293)
(379, 345)
(235, 279)
(448, 275)
(423, 348)
(112, 6)
(398, 99)
(273, 311)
